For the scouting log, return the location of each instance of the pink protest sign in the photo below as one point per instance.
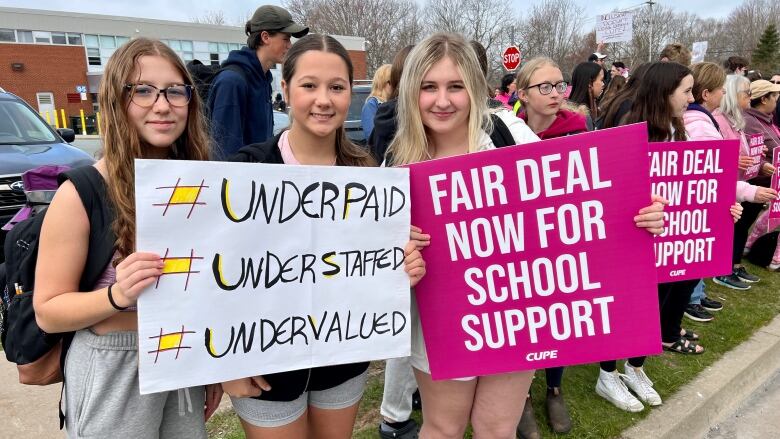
(700, 181)
(535, 260)
(774, 206)
(755, 151)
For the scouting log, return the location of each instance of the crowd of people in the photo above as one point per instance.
(433, 101)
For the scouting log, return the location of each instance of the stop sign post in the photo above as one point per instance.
(511, 58)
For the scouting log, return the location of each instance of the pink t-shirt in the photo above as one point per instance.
(287, 154)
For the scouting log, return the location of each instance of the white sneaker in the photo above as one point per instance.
(637, 380)
(610, 387)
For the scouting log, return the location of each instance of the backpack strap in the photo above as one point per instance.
(501, 136)
(233, 68)
(91, 188)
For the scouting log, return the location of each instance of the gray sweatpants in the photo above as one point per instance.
(399, 387)
(102, 398)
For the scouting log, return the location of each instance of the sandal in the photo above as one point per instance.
(683, 346)
(689, 335)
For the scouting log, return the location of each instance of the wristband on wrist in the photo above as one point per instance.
(111, 300)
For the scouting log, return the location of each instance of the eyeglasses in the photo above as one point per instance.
(747, 92)
(145, 95)
(546, 88)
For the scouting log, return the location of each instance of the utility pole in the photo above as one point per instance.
(650, 44)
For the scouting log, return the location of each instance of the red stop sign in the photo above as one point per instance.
(511, 58)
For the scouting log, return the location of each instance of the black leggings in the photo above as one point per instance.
(673, 297)
(611, 365)
(750, 212)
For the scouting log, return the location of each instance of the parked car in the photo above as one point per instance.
(26, 142)
(281, 121)
(353, 124)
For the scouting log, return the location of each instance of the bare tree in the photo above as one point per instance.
(553, 28)
(211, 17)
(387, 25)
(746, 23)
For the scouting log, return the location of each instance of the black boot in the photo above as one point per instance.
(558, 415)
(527, 428)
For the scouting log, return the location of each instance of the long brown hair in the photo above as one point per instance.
(347, 153)
(611, 106)
(652, 101)
(121, 142)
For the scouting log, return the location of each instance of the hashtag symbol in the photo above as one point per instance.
(178, 265)
(183, 196)
(171, 341)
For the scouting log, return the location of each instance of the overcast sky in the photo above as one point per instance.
(183, 10)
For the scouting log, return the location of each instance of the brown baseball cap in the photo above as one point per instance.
(274, 18)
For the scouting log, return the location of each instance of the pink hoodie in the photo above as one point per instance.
(699, 126)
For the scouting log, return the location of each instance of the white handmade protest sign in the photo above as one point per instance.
(699, 51)
(269, 268)
(615, 27)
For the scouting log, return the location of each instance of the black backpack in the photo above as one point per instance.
(23, 341)
(203, 76)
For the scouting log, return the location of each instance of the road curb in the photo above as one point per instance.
(717, 391)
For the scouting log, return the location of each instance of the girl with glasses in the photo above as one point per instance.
(320, 402)
(101, 369)
(541, 87)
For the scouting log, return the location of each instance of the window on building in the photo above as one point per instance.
(213, 47)
(200, 46)
(74, 39)
(107, 41)
(223, 47)
(93, 57)
(121, 41)
(234, 46)
(214, 59)
(7, 35)
(58, 38)
(24, 36)
(42, 37)
(174, 44)
(92, 40)
(186, 46)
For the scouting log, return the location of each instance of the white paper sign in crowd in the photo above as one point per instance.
(269, 268)
(615, 27)
(699, 51)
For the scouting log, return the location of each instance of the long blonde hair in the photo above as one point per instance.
(410, 144)
(529, 68)
(121, 142)
(381, 79)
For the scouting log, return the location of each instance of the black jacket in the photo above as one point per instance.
(385, 126)
(288, 386)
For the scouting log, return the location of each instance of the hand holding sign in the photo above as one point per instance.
(520, 263)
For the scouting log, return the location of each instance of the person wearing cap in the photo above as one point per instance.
(598, 58)
(758, 118)
(240, 102)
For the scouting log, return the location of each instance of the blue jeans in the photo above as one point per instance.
(698, 294)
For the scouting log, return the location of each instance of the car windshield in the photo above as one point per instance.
(356, 105)
(19, 125)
